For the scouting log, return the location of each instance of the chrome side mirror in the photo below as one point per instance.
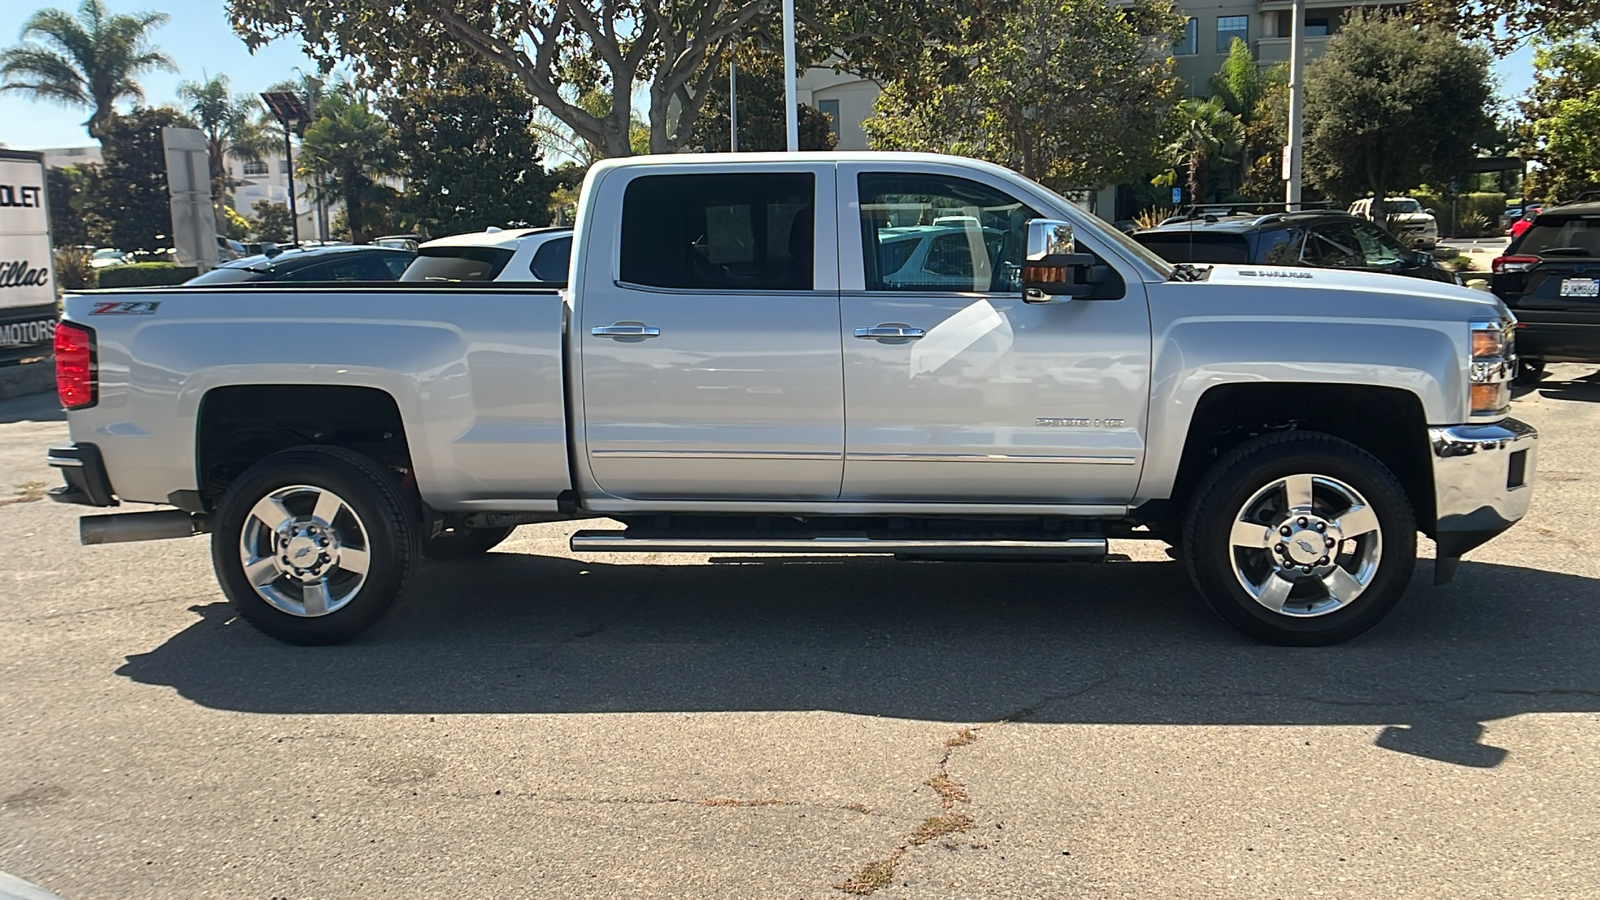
(1050, 237)
(1053, 270)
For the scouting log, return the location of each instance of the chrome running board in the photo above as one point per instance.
(1083, 547)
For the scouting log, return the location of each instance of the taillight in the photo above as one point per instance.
(75, 366)
(1505, 265)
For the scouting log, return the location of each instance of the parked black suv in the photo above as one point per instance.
(1550, 277)
(1322, 238)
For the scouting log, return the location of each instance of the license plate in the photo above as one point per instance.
(1580, 287)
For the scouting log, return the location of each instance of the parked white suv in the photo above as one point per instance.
(495, 254)
(1408, 221)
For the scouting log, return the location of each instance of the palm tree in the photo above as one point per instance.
(345, 155)
(232, 126)
(92, 59)
(1243, 86)
(1205, 129)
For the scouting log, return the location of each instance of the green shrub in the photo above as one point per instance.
(73, 271)
(146, 275)
(1457, 219)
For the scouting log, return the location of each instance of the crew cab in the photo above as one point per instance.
(744, 360)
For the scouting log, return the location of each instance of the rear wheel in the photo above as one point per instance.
(1301, 539)
(312, 545)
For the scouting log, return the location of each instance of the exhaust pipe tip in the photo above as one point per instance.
(121, 528)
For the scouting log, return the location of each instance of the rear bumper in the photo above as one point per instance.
(84, 472)
(1577, 342)
(1482, 481)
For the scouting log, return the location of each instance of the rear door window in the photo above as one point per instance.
(728, 232)
(1280, 247)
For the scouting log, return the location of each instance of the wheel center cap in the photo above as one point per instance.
(1306, 546)
(302, 552)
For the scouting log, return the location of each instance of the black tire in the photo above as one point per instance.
(1249, 469)
(372, 512)
(464, 543)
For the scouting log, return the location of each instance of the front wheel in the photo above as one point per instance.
(312, 545)
(1301, 539)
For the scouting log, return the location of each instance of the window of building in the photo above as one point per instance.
(1230, 27)
(1189, 45)
(727, 231)
(255, 167)
(1317, 28)
(830, 108)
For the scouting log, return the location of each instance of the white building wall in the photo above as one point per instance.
(62, 157)
(252, 185)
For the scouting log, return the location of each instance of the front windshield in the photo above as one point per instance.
(108, 254)
(1406, 205)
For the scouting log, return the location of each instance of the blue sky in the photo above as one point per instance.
(200, 40)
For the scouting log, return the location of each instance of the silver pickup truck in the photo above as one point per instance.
(911, 355)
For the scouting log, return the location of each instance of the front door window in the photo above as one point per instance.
(936, 233)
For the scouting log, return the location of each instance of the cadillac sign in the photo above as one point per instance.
(27, 277)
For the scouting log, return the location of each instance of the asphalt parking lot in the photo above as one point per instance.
(539, 725)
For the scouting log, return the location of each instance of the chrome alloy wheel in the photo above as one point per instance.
(304, 550)
(1306, 545)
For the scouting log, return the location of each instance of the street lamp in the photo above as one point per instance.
(290, 111)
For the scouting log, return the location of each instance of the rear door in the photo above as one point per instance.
(710, 341)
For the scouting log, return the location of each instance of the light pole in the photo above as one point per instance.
(1297, 103)
(290, 111)
(791, 113)
(733, 102)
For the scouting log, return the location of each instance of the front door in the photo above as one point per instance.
(710, 343)
(956, 390)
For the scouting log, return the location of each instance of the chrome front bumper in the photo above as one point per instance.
(1482, 482)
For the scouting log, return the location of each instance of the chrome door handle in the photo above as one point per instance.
(890, 334)
(626, 331)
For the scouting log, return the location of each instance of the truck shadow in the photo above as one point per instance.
(1121, 643)
(1582, 390)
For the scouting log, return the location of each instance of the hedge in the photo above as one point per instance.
(145, 275)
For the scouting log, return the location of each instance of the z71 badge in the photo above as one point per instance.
(125, 308)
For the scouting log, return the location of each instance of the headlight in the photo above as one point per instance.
(1493, 364)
